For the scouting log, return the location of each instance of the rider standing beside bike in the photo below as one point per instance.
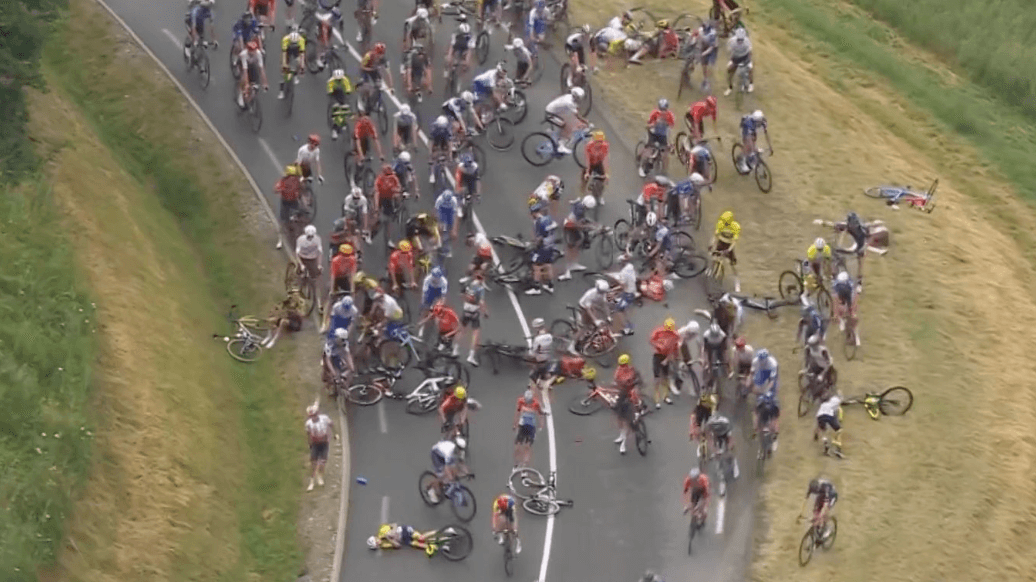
(543, 250)
(596, 151)
(659, 123)
(453, 412)
(727, 232)
(740, 49)
(319, 428)
(288, 187)
(576, 225)
(474, 309)
(627, 381)
(401, 267)
(527, 413)
(666, 345)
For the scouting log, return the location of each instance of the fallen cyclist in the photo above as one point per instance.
(392, 536)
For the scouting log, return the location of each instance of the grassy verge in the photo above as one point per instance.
(924, 497)
(46, 346)
(197, 461)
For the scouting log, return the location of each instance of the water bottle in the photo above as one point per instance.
(361, 480)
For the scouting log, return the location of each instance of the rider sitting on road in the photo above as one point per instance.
(505, 517)
(453, 412)
(286, 315)
(563, 113)
(743, 357)
(659, 123)
(543, 251)
(740, 49)
(576, 225)
(696, 492)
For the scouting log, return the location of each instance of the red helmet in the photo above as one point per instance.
(710, 102)
(386, 169)
(740, 342)
(379, 49)
(314, 139)
(253, 45)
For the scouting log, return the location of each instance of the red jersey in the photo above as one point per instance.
(364, 128)
(447, 320)
(522, 405)
(270, 4)
(699, 110)
(452, 405)
(596, 152)
(289, 187)
(669, 42)
(654, 288)
(701, 484)
(387, 186)
(658, 116)
(343, 265)
(653, 191)
(665, 341)
(399, 260)
(625, 376)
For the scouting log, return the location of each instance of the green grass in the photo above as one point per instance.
(46, 345)
(998, 130)
(991, 40)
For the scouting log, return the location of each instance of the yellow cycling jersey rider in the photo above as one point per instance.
(296, 45)
(728, 230)
(339, 84)
(819, 247)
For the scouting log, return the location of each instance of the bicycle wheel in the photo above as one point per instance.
(364, 394)
(421, 405)
(204, 71)
(542, 507)
(763, 177)
(832, 531)
(876, 192)
(255, 111)
(805, 403)
(587, 102)
(383, 120)
(689, 265)
(449, 88)
(584, 404)
(524, 482)
(737, 153)
(444, 365)
(621, 234)
(455, 542)
(394, 355)
(641, 435)
(482, 47)
(691, 529)
(849, 346)
(896, 401)
(538, 148)
(235, 65)
(824, 303)
(789, 285)
(683, 147)
(605, 251)
(309, 296)
(579, 152)
(244, 350)
(463, 503)
(428, 486)
(366, 182)
(311, 56)
(519, 107)
(564, 334)
(292, 276)
(509, 556)
(565, 70)
(500, 134)
(806, 547)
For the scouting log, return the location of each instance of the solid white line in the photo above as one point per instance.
(273, 157)
(384, 509)
(172, 37)
(551, 442)
(382, 421)
(721, 510)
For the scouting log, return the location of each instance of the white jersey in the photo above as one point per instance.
(481, 243)
(308, 156)
(610, 34)
(392, 309)
(487, 78)
(249, 58)
(309, 248)
(593, 299)
(739, 49)
(685, 332)
(830, 407)
(355, 204)
(318, 428)
(542, 345)
(627, 278)
(564, 105)
(546, 188)
(448, 450)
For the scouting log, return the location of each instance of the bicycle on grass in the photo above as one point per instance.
(684, 146)
(755, 165)
(793, 284)
(539, 496)
(579, 77)
(245, 345)
(297, 276)
(742, 79)
(895, 401)
(821, 534)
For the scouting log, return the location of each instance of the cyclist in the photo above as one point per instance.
(473, 310)
(482, 258)
(576, 226)
(308, 156)
(593, 312)
(254, 71)
(405, 122)
(661, 237)
(440, 140)
(740, 49)
(527, 412)
(700, 162)
(727, 232)
(364, 134)
(265, 11)
(285, 316)
(447, 322)
(714, 344)
(596, 151)
(196, 18)
(695, 118)
(828, 416)
(394, 536)
(453, 412)
(310, 250)
(563, 113)
(343, 269)
(293, 57)
(338, 90)
(371, 66)
(681, 198)
(729, 314)
(819, 256)
(457, 109)
(468, 177)
(811, 323)
(355, 208)
(459, 50)
(651, 198)
(536, 24)
(289, 186)
(505, 517)
(721, 433)
(404, 172)
(628, 381)
(422, 227)
(543, 251)
(433, 291)
(549, 192)
(417, 72)
(626, 279)
(365, 9)
(541, 350)
(696, 493)
(416, 28)
(317, 428)
(328, 24)
(367, 287)
(341, 315)
(445, 463)
(388, 197)
(244, 30)
(750, 126)
(690, 338)
(701, 414)
(401, 267)
(338, 359)
(764, 380)
(819, 364)
(493, 7)
(666, 345)
(446, 209)
(866, 235)
(575, 47)
(523, 61)
(743, 357)
(385, 313)
(846, 294)
(659, 123)
(825, 497)
(489, 85)
(708, 49)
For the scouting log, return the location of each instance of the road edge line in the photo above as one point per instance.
(265, 205)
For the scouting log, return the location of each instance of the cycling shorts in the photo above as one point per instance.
(624, 300)
(702, 414)
(543, 255)
(579, 50)
(827, 420)
(526, 434)
(481, 89)
(767, 412)
(446, 217)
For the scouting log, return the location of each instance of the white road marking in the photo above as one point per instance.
(384, 509)
(273, 157)
(551, 442)
(721, 510)
(172, 37)
(382, 421)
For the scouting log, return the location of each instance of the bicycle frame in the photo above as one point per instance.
(430, 389)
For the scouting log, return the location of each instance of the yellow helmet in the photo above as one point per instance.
(589, 372)
(384, 530)
(727, 216)
(708, 400)
(662, 23)
(405, 246)
(598, 135)
(624, 359)
(346, 249)
(359, 277)
(460, 393)
(291, 170)
(669, 324)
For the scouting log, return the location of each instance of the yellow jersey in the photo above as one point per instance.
(728, 231)
(299, 46)
(813, 251)
(342, 84)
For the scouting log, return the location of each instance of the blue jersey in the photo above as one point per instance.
(455, 105)
(749, 126)
(442, 133)
(685, 188)
(544, 227)
(814, 323)
(401, 169)
(246, 32)
(446, 209)
(664, 237)
(578, 210)
(200, 14)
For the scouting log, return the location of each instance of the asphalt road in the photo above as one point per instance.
(627, 509)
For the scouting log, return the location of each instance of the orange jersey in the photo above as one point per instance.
(364, 128)
(699, 110)
(387, 186)
(702, 483)
(288, 187)
(625, 376)
(659, 116)
(665, 341)
(399, 260)
(452, 405)
(653, 191)
(447, 320)
(596, 152)
(343, 265)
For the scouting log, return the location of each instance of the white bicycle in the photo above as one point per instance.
(539, 495)
(427, 396)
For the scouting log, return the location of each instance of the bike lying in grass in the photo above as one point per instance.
(895, 195)
(895, 401)
(246, 343)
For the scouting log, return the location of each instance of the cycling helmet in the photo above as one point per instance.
(460, 393)
(698, 150)
(697, 179)
(601, 285)
(649, 576)
(346, 302)
(466, 159)
(758, 116)
(667, 285)
(763, 354)
(346, 249)
(441, 121)
(694, 473)
(739, 342)
(727, 216)
(294, 38)
(813, 340)
(404, 109)
(422, 12)
(669, 324)
(379, 49)
(663, 104)
(853, 218)
(540, 4)
(404, 156)
(693, 327)
(338, 74)
(310, 230)
(586, 29)
(588, 373)
(372, 543)
(356, 192)
(710, 103)
(740, 34)
(662, 23)
(663, 181)
(819, 244)
(517, 43)
(842, 277)
(405, 246)
(437, 272)
(461, 442)
(577, 92)
(468, 96)
(448, 194)
(253, 45)
(528, 396)
(538, 323)
(341, 334)
(291, 170)
(624, 359)
(464, 28)
(651, 219)
(246, 16)
(314, 139)
(386, 169)
(814, 484)
(589, 202)
(598, 135)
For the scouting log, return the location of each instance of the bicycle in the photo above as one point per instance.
(245, 345)
(372, 388)
(253, 109)
(640, 434)
(586, 237)
(462, 500)
(852, 337)
(683, 153)
(454, 541)
(197, 57)
(510, 541)
(819, 535)
(813, 388)
(766, 437)
(697, 524)
(716, 272)
(923, 201)
(289, 90)
(427, 396)
(539, 148)
(895, 401)
(297, 276)
(756, 164)
(590, 402)
(514, 98)
(647, 162)
(360, 173)
(539, 496)
(453, 75)
(579, 78)
(803, 281)
(770, 305)
(742, 78)
(569, 335)
(499, 131)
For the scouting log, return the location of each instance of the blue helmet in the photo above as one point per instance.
(437, 272)
(466, 159)
(540, 4)
(762, 354)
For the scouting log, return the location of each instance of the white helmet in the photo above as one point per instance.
(601, 285)
(740, 34)
(344, 304)
(422, 13)
(667, 284)
(404, 156)
(820, 243)
(294, 37)
(464, 28)
(372, 543)
(651, 219)
(468, 96)
(342, 333)
(441, 121)
(310, 230)
(461, 442)
(842, 277)
(338, 74)
(589, 202)
(757, 115)
(693, 327)
(577, 92)
(356, 192)
(404, 109)
(586, 29)
(698, 150)
(538, 323)
(517, 43)
(697, 179)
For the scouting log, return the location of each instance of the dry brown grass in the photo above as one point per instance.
(948, 491)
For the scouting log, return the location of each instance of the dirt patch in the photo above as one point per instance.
(925, 492)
